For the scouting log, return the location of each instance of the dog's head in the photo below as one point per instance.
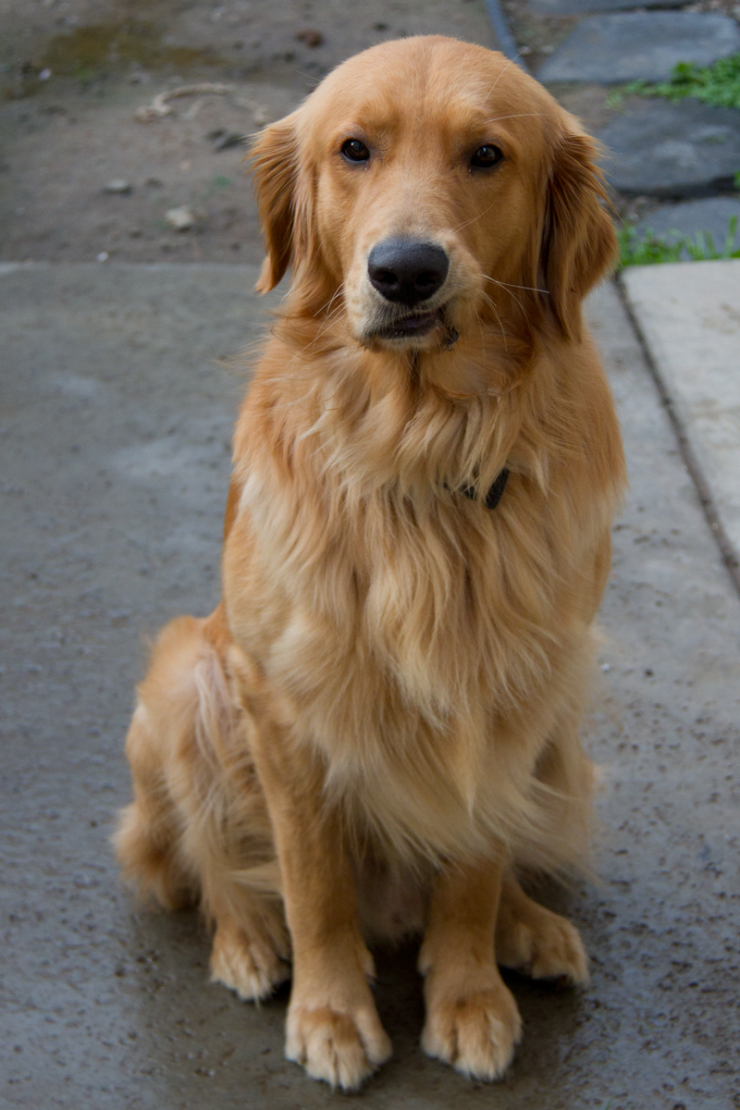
(428, 185)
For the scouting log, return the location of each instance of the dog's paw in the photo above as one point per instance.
(341, 1049)
(541, 944)
(475, 1032)
(246, 963)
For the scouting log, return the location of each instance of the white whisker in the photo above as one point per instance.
(509, 63)
(480, 215)
(490, 302)
(330, 318)
(509, 285)
(516, 115)
(513, 295)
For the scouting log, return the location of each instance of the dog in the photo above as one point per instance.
(376, 733)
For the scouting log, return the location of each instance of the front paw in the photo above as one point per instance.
(341, 1048)
(476, 1031)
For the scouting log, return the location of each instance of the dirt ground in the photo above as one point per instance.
(73, 73)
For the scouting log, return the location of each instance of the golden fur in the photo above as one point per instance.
(378, 727)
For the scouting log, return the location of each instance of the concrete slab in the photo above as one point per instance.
(711, 216)
(690, 316)
(114, 462)
(629, 46)
(664, 149)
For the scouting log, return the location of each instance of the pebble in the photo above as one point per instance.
(119, 187)
(228, 140)
(181, 218)
(311, 37)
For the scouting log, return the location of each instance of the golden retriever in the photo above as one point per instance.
(376, 732)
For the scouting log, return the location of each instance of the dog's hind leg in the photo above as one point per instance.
(197, 830)
(536, 941)
(530, 938)
(228, 843)
(251, 950)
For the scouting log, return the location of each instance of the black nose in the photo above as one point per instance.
(407, 271)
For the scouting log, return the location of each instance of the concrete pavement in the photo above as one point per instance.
(689, 319)
(118, 400)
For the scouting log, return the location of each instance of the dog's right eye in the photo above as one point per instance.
(486, 157)
(355, 151)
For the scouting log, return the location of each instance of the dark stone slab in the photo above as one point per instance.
(628, 46)
(665, 149)
(575, 7)
(711, 215)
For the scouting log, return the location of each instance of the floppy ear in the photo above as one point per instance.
(578, 241)
(274, 159)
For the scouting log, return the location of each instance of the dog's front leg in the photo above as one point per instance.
(472, 1019)
(333, 1028)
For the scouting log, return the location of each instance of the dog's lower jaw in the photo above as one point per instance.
(441, 336)
(380, 327)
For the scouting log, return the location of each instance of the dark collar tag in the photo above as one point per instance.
(495, 493)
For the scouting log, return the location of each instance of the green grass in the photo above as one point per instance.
(718, 84)
(615, 100)
(648, 249)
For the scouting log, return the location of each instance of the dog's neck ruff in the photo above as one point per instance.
(495, 493)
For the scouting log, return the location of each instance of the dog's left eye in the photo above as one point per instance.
(486, 156)
(355, 151)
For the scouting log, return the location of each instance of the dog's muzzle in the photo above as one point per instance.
(407, 273)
